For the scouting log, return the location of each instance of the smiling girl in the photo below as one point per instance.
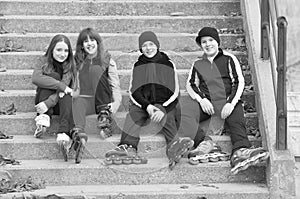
(97, 90)
(54, 77)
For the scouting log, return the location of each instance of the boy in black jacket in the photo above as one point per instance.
(154, 92)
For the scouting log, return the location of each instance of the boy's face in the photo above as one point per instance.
(90, 46)
(149, 49)
(209, 45)
(60, 51)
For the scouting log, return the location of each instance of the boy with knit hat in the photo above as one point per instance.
(154, 92)
(215, 85)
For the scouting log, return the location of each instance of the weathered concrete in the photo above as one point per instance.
(160, 191)
(152, 145)
(156, 171)
(115, 24)
(106, 7)
(280, 171)
(178, 42)
(124, 60)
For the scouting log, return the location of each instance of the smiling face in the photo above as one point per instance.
(209, 45)
(149, 49)
(90, 46)
(60, 51)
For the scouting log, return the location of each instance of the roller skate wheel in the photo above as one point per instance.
(206, 160)
(215, 159)
(137, 160)
(193, 161)
(127, 160)
(117, 161)
(108, 161)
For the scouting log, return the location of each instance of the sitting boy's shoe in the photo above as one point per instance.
(207, 151)
(120, 150)
(64, 142)
(178, 148)
(104, 122)
(79, 138)
(42, 122)
(242, 158)
(204, 147)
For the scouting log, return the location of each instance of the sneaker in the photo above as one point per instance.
(121, 150)
(42, 122)
(242, 158)
(64, 142)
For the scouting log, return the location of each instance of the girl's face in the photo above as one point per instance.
(90, 46)
(149, 49)
(209, 45)
(61, 51)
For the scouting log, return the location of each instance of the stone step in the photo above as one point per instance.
(24, 99)
(119, 42)
(127, 7)
(159, 191)
(24, 124)
(22, 79)
(116, 24)
(23, 147)
(124, 60)
(93, 171)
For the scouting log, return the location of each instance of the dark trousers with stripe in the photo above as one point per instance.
(192, 114)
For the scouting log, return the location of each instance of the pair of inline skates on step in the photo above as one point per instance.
(76, 138)
(209, 151)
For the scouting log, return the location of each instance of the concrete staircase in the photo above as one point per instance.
(32, 23)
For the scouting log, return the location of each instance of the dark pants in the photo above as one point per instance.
(192, 114)
(138, 118)
(63, 108)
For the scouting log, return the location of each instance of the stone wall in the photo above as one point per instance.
(291, 10)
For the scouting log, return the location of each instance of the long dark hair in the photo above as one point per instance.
(80, 54)
(68, 64)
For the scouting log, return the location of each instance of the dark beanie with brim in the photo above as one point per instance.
(148, 36)
(208, 31)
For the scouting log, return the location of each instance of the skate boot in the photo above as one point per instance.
(64, 142)
(42, 122)
(79, 138)
(207, 151)
(242, 158)
(124, 154)
(177, 149)
(104, 122)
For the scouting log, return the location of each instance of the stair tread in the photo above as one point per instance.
(157, 189)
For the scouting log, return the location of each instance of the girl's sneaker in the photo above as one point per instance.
(64, 142)
(42, 122)
(242, 158)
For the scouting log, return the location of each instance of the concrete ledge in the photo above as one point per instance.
(280, 171)
(159, 191)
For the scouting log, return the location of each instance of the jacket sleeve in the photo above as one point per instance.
(176, 88)
(237, 79)
(52, 100)
(114, 81)
(192, 85)
(44, 81)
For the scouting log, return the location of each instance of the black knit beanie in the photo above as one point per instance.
(208, 31)
(148, 36)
